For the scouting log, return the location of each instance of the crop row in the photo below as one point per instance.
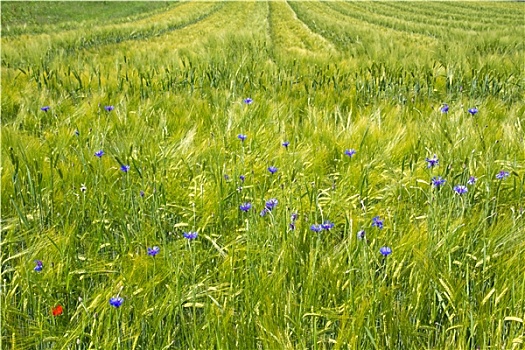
(26, 19)
(45, 48)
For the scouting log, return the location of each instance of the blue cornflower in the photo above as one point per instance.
(271, 203)
(116, 301)
(45, 108)
(272, 169)
(39, 265)
(460, 189)
(316, 228)
(432, 162)
(350, 152)
(377, 222)
(245, 206)
(248, 101)
(264, 212)
(141, 193)
(361, 234)
(286, 144)
(99, 153)
(109, 108)
(242, 177)
(502, 175)
(124, 168)
(444, 109)
(327, 225)
(293, 217)
(473, 111)
(226, 177)
(438, 181)
(471, 180)
(190, 235)
(153, 251)
(385, 251)
(242, 137)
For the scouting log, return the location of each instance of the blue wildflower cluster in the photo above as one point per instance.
(269, 206)
(245, 205)
(325, 226)
(445, 108)
(438, 181)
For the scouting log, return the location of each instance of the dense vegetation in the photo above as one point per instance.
(273, 175)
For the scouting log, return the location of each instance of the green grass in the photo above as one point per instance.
(325, 76)
(24, 17)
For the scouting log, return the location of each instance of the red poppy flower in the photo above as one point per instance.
(57, 310)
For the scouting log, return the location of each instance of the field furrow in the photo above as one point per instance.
(356, 35)
(292, 37)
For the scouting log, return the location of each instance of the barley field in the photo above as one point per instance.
(263, 175)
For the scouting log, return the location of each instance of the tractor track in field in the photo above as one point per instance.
(342, 40)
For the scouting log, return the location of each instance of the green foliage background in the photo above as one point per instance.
(325, 76)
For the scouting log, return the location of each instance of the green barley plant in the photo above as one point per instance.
(262, 175)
